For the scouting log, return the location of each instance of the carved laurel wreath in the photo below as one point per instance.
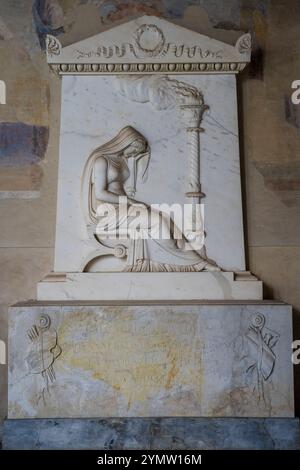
(154, 35)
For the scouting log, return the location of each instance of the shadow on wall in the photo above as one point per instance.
(296, 328)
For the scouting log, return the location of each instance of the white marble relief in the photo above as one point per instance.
(107, 112)
(153, 244)
(258, 355)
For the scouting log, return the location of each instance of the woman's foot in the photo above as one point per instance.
(212, 267)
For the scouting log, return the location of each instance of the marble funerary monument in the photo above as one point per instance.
(165, 322)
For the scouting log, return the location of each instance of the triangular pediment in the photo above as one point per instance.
(145, 41)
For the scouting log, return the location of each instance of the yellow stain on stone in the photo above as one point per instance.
(138, 355)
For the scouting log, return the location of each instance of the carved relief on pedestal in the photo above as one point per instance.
(259, 355)
(43, 352)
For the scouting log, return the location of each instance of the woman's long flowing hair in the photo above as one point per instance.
(117, 145)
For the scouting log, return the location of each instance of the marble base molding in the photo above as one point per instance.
(152, 434)
(76, 360)
(150, 286)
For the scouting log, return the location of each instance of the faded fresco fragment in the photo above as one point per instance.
(48, 19)
(114, 10)
(21, 183)
(5, 33)
(22, 144)
(21, 148)
(220, 13)
(24, 119)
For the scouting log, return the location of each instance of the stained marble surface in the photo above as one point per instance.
(162, 360)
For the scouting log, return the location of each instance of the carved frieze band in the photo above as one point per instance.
(148, 41)
(94, 69)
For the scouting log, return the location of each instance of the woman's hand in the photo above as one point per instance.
(133, 202)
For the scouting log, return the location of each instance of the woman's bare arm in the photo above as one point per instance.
(100, 181)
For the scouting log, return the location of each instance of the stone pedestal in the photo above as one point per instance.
(171, 287)
(85, 360)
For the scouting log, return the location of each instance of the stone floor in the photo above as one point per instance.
(153, 433)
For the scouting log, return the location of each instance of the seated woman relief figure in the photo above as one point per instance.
(111, 173)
